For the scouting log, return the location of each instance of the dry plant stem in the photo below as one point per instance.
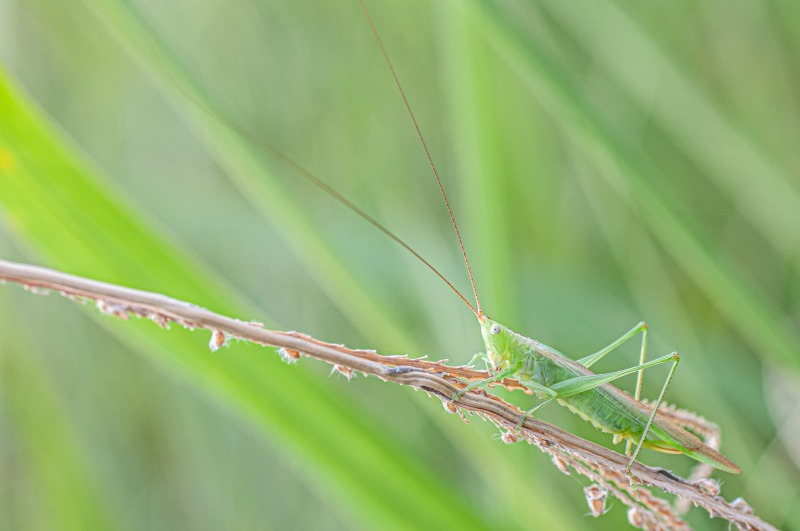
(604, 467)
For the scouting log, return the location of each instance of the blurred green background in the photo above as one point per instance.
(608, 161)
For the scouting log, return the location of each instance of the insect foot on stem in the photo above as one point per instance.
(522, 418)
(532, 410)
(632, 482)
(458, 394)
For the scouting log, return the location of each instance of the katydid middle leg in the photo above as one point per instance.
(539, 389)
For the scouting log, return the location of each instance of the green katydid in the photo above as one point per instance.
(546, 372)
(553, 377)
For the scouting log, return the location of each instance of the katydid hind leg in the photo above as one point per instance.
(584, 383)
(674, 356)
(711, 436)
(590, 360)
(579, 384)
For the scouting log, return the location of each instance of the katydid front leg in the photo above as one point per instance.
(552, 395)
(479, 356)
(496, 378)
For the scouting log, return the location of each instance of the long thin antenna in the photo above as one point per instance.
(319, 183)
(427, 153)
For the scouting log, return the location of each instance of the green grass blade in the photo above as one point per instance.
(481, 173)
(754, 316)
(58, 205)
(760, 188)
(248, 168)
(48, 457)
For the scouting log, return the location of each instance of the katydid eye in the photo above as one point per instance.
(495, 329)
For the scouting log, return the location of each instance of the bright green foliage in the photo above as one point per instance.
(321, 429)
(609, 162)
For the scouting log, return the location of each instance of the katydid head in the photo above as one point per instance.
(498, 341)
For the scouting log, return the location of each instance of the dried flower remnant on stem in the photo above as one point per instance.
(347, 372)
(560, 463)
(596, 499)
(509, 437)
(217, 340)
(289, 355)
